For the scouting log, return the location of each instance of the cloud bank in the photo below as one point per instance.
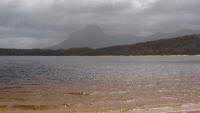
(42, 23)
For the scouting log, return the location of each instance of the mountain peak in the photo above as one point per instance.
(90, 31)
(91, 28)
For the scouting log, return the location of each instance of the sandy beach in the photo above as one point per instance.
(139, 95)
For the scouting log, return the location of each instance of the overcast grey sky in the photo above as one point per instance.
(41, 23)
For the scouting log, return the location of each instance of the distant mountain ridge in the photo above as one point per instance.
(92, 36)
(162, 35)
(185, 45)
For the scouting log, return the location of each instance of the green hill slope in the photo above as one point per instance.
(189, 45)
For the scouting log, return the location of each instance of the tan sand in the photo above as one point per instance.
(177, 94)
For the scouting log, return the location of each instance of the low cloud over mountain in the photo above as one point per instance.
(92, 36)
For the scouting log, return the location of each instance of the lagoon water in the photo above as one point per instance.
(135, 84)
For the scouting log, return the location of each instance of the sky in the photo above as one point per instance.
(43, 23)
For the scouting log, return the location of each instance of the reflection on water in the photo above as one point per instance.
(150, 84)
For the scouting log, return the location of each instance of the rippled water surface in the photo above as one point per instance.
(102, 83)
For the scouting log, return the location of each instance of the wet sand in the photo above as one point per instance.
(177, 94)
